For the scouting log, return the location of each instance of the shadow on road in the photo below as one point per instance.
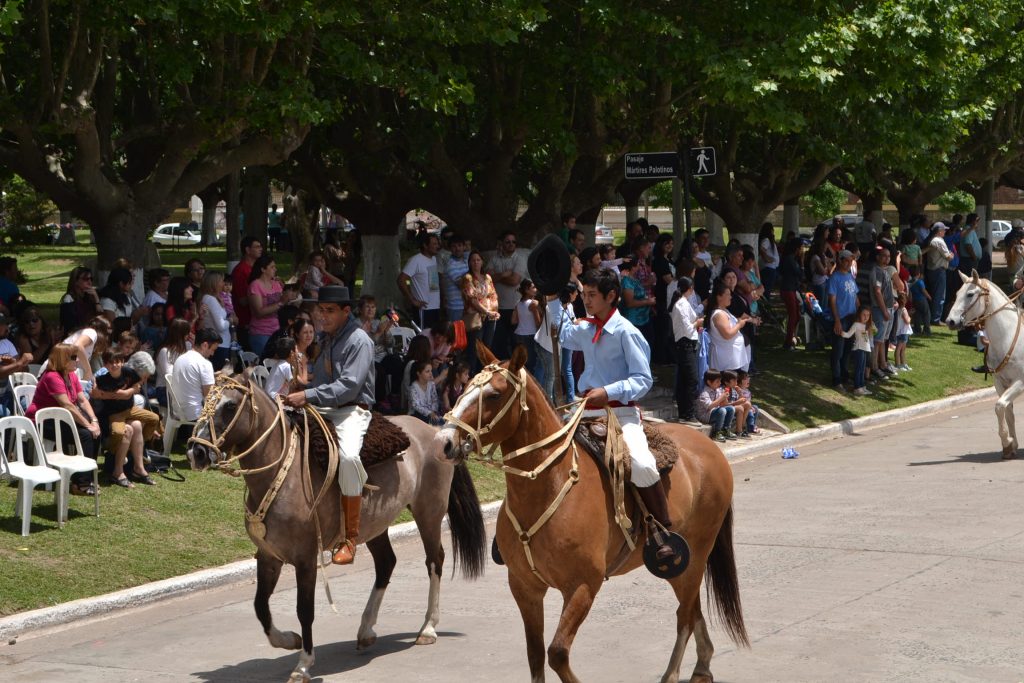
(331, 658)
(994, 456)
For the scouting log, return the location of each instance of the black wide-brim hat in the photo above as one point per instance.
(334, 294)
(549, 265)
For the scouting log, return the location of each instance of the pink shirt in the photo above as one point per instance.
(267, 324)
(51, 385)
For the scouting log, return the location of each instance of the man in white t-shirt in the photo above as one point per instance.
(420, 284)
(193, 374)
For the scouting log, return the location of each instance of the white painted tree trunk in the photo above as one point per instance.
(632, 213)
(381, 265)
(714, 224)
(877, 218)
(747, 238)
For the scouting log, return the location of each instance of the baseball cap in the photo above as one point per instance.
(845, 253)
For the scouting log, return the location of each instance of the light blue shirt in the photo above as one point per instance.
(454, 271)
(620, 361)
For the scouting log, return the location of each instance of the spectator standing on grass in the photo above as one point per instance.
(193, 375)
(9, 292)
(636, 303)
(526, 318)
(686, 326)
(770, 259)
(421, 284)
(841, 310)
(454, 271)
(970, 245)
(59, 387)
(910, 251)
(567, 299)
(728, 351)
(903, 333)
(790, 279)
(265, 292)
(937, 258)
(480, 308)
(252, 249)
(883, 306)
(985, 260)
(273, 229)
(922, 319)
(862, 331)
(159, 281)
(665, 274)
(80, 302)
(634, 231)
(508, 269)
(865, 235)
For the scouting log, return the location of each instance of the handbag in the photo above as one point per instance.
(471, 319)
(461, 342)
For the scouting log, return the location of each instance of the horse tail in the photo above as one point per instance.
(469, 537)
(720, 578)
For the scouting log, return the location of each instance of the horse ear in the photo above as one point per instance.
(518, 360)
(974, 276)
(484, 353)
(963, 277)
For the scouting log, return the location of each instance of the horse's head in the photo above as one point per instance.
(490, 408)
(227, 417)
(972, 302)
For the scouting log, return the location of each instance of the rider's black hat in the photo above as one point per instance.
(549, 265)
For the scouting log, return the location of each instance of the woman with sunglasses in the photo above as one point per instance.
(34, 335)
(59, 387)
(80, 303)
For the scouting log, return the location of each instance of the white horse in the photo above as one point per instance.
(981, 303)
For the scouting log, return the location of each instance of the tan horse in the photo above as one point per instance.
(575, 548)
(241, 423)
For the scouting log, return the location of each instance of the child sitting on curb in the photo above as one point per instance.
(713, 407)
(743, 378)
(741, 405)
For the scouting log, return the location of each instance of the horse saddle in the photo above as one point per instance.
(384, 441)
(592, 434)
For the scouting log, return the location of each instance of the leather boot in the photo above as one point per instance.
(657, 504)
(345, 553)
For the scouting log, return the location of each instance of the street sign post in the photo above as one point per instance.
(652, 165)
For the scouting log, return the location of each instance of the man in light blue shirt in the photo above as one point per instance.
(455, 268)
(617, 375)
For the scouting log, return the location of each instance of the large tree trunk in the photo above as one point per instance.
(300, 216)
(232, 214)
(381, 264)
(210, 198)
(256, 201)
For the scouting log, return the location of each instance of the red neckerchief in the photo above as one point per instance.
(600, 324)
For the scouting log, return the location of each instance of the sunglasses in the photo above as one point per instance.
(72, 357)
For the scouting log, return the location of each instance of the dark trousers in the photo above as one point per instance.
(686, 377)
(768, 278)
(484, 334)
(429, 317)
(391, 366)
(663, 342)
(503, 334)
(792, 315)
(841, 348)
(860, 359)
(936, 281)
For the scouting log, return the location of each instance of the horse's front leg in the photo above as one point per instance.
(529, 596)
(383, 564)
(268, 571)
(1005, 418)
(576, 605)
(305, 580)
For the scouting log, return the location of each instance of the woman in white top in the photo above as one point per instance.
(213, 315)
(768, 251)
(526, 318)
(91, 341)
(177, 342)
(728, 351)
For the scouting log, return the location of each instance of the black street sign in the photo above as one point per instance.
(702, 162)
(652, 165)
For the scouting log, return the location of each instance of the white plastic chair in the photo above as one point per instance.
(19, 378)
(174, 419)
(249, 359)
(271, 363)
(260, 375)
(405, 334)
(34, 368)
(16, 431)
(61, 460)
(25, 392)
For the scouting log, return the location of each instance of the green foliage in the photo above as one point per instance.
(956, 201)
(24, 213)
(823, 201)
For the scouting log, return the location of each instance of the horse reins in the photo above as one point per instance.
(982, 319)
(565, 433)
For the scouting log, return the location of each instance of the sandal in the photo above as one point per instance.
(124, 483)
(142, 479)
(83, 490)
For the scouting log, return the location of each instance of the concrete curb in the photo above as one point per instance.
(836, 430)
(25, 623)
(245, 570)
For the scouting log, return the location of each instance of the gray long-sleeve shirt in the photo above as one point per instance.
(343, 373)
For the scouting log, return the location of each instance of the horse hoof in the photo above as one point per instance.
(702, 678)
(298, 677)
(364, 643)
(1009, 454)
(426, 640)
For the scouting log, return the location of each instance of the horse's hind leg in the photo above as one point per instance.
(1005, 419)
(529, 597)
(688, 596)
(383, 565)
(268, 571)
(705, 649)
(305, 581)
(431, 535)
(577, 603)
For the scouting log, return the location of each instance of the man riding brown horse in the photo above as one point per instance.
(342, 389)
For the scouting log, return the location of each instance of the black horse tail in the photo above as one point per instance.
(722, 582)
(469, 537)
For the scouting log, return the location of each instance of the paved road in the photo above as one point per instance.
(893, 555)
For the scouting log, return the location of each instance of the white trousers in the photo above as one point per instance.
(351, 424)
(644, 468)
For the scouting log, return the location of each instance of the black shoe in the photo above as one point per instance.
(495, 553)
(981, 369)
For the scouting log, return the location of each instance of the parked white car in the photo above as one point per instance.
(176, 235)
(1000, 229)
(603, 234)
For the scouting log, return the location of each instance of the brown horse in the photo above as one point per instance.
(574, 550)
(240, 418)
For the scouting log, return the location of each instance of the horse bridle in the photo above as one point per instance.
(983, 318)
(480, 382)
(215, 443)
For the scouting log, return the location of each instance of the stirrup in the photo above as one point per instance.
(345, 553)
(665, 568)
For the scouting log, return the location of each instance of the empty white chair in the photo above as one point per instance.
(260, 375)
(17, 431)
(58, 454)
(174, 416)
(19, 378)
(405, 334)
(249, 359)
(23, 396)
(34, 368)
